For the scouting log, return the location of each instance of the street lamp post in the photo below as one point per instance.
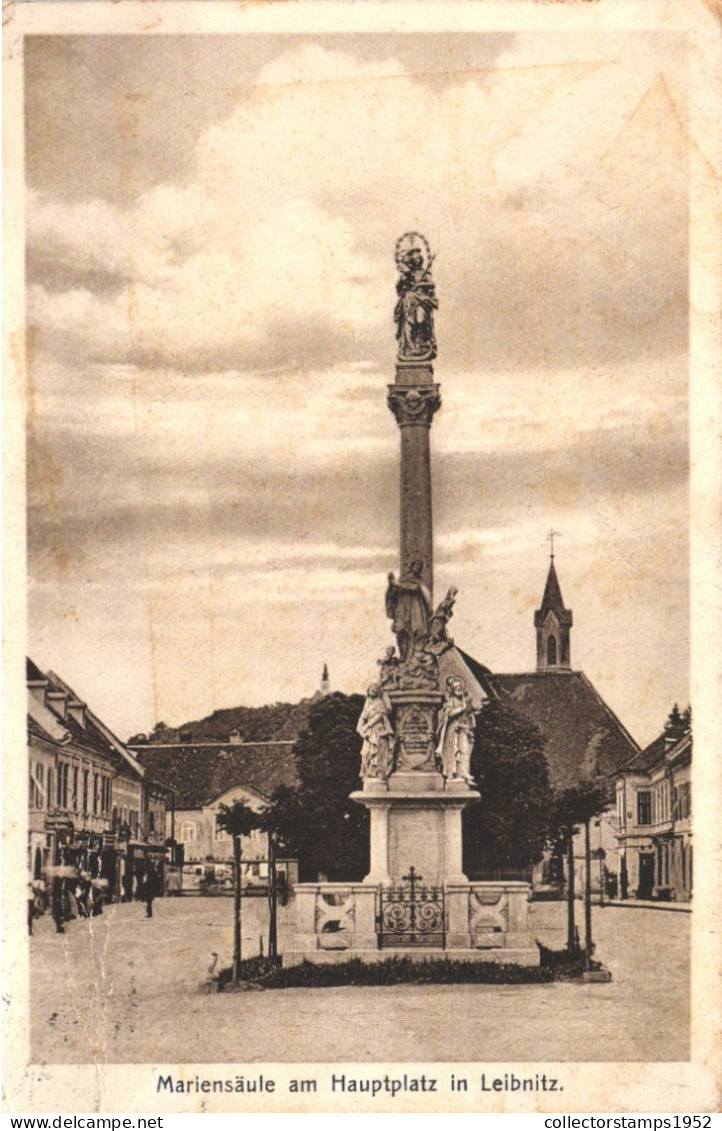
(588, 944)
(567, 833)
(272, 899)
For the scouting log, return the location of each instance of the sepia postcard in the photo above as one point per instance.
(362, 557)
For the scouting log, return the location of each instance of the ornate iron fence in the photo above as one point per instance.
(411, 914)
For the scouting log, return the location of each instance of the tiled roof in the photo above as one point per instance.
(477, 670)
(199, 774)
(645, 759)
(37, 730)
(33, 673)
(584, 737)
(91, 736)
(659, 751)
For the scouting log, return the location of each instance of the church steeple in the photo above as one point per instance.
(552, 622)
(325, 681)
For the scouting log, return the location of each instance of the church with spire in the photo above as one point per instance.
(552, 623)
(584, 738)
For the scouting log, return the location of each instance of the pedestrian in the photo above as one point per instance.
(150, 891)
(32, 895)
(58, 908)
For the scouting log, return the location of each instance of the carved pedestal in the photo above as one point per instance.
(469, 922)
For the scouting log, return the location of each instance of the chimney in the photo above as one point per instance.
(58, 702)
(76, 711)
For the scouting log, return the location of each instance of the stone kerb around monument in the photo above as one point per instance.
(482, 922)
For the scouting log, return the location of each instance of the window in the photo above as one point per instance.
(644, 807)
(74, 794)
(39, 790)
(189, 831)
(31, 793)
(151, 821)
(49, 792)
(551, 650)
(86, 779)
(63, 771)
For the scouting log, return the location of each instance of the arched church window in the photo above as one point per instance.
(551, 650)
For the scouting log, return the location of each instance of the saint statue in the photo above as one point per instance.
(455, 732)
(377, 732)
(414, 312)
(408, 604)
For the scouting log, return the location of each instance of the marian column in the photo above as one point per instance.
(413, 399)
(418, 735)
(417, 727)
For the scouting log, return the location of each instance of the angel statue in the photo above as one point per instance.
(414, 312)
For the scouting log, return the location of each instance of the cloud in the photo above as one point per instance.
(209, 440)
(279, 250)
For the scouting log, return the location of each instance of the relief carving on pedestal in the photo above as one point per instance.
(415, 742)
(488, 917)
(335, 912)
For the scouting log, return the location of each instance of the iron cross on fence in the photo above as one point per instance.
(412, 879)
(550, 538)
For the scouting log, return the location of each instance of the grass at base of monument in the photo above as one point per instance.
(268, 974)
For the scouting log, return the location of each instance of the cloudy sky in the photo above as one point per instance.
(212, 475)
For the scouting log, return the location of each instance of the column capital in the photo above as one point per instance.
(414, 405)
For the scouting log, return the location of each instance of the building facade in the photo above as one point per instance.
(654, 816)
(204, 776)
(91, 804)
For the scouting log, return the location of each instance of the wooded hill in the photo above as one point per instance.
(272, 723)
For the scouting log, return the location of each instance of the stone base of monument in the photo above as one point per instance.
(458, 921)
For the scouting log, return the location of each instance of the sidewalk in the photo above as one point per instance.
(651, 904)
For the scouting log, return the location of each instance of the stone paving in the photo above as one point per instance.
(122, 988)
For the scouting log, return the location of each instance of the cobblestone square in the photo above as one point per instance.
(125, 989)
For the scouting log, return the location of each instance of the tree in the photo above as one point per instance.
(574, 808)
(317, 820)
(238, 820)
(509, 828)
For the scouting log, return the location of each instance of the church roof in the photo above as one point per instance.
(198, 773)
(585, 739)
(552, 600)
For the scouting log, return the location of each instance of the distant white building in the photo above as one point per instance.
(654, 815)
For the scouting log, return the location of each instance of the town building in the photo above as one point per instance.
(202, 777)
(91, 803)
(654, 816)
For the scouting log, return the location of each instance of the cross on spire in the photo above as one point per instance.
(550, 538)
